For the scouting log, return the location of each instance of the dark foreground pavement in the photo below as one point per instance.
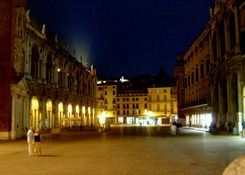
(124, 152)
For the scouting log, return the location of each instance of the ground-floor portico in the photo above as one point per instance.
(46, 109)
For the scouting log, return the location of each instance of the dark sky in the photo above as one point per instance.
(124, 37)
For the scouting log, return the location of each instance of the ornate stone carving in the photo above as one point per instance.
(19, 53)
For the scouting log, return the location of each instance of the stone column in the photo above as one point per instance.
(55, 78)
(27, 61)
(226, 33)
(55, 113)
(26, 110)
(229, 100)
(13, 116)
(211, 48)
(240, 86)
(220, 113)
(44, 71)
(237, 30)
(65, 77)
(43, 113)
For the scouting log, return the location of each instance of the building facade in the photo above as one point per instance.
(210, 74)
(44, 86)
(133, 103)
(106, 102)
(162, 104)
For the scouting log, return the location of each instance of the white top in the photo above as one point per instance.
(30, 136)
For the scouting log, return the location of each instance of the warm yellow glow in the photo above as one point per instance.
(89, 110)
(60, 106)
(83, 109)
(150, 113)
(70, 108)
(58, 70)
(49, 105)
(34, 103)
(102, 118)
(77, 109)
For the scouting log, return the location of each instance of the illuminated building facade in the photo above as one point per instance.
(134, 103)
(106, 102)
(43, 86)
(210, 74)
(162, 104)
(131, 104)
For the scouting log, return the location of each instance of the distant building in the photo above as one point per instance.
(136, 101)
(162, 104)
(210, 73)
(106, 101)
(42, 85)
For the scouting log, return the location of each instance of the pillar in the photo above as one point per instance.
(237, 30)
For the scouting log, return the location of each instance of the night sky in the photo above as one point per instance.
(124, 37)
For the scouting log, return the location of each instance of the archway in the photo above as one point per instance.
(60, 114)
(69, 115)
(34, 113)
(77, 116)
(84, 116)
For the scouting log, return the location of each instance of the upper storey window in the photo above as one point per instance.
(35, 62)
(49, 69)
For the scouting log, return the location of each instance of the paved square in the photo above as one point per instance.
(190, 153)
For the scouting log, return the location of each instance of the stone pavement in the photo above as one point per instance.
(190, 153)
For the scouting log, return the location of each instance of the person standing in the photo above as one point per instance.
(37, 143)
(30, 141)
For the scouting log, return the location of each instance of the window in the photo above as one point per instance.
(158, 98)
(192, 77)
(207, 65)
(49, 70)
(158, 107)
(35, 62)
(197, 74)
(149, 98)
(202, 71)
(137, 106)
